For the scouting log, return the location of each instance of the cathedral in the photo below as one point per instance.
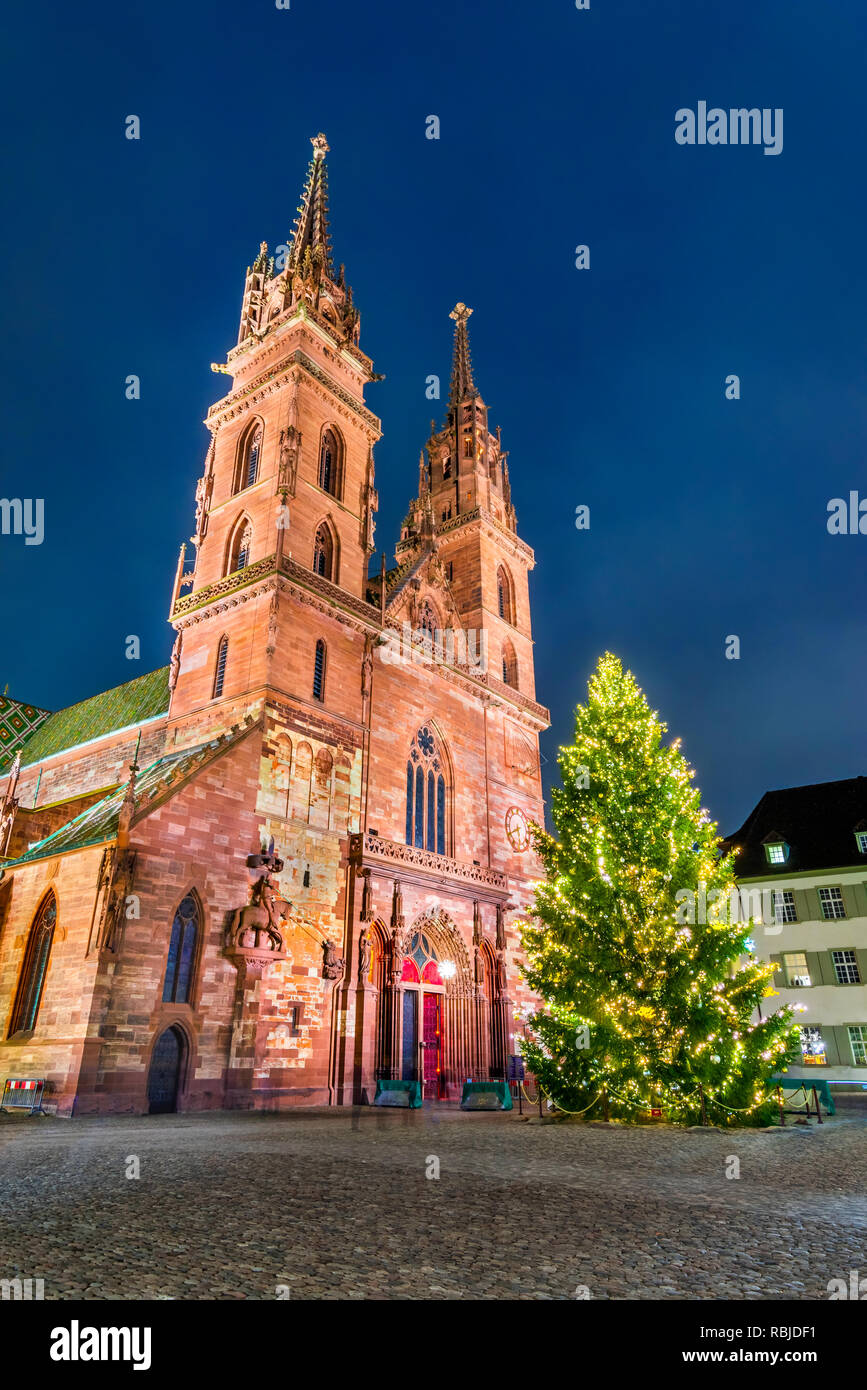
(289, 867)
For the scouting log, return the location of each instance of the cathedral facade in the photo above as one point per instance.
(291, 864)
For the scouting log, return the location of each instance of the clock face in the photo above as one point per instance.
(517, 829)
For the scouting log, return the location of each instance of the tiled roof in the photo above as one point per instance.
(132, 703)
(98, 823)
(817, 822)
(18, 724)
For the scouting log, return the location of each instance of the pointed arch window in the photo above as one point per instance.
(220, 669)
(249, 455)
(330, 462)
(240, 546)
(323, 552)
(32, 983)
(319, 671)
(505, 595)
(178, 983)
(426, 819)
(510, 666)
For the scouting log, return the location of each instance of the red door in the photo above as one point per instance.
(432, 1053)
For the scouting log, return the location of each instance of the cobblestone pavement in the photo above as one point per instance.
(336, 1205)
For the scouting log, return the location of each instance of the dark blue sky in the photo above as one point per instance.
(708, 517)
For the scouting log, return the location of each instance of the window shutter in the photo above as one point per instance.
(806, 905)
(814, 967)
(850, 902)
(861, 958)
(831, 1035)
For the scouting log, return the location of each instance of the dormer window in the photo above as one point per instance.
(777, 852)
(861, 841)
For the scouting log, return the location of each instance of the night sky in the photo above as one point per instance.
(708, 516)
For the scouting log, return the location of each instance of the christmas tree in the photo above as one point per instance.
(636, 947)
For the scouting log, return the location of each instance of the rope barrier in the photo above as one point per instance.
(570, 1112)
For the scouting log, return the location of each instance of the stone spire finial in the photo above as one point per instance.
(311, 234)
(462, 384)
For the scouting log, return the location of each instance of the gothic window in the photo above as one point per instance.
(447, 467)
(330, 461)
(32, 983)
(468, 446)
(220, 669)
(319, 671)
(240, 546)
(421, 965)
(505, 595)
(426, 819)
(510, 666)
(323, 552)
(249, 454)
(177, 985)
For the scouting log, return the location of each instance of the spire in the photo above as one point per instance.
(311, 224)
(462, 384)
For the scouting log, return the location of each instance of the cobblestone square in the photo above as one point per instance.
(336, 1205)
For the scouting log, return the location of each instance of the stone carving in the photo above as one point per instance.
(333, 965)
(477, 924)
(9, 805)
(375, 847)
(502, 977)
(258, 926)
(365, 951)
(203, 500)
(366, 895)
(290, 443)
(120, 886)
(273, 611)
(175, 662)
(501, 928)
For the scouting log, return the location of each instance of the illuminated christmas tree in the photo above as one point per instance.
(636, 947)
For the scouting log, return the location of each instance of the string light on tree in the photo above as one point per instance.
(666, 1009)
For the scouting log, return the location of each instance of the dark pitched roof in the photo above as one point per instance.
(98, 823)
(18, 724)
(818, 823)
(144, 698)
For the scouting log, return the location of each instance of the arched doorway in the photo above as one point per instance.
(422, 1036)
(164, 1075)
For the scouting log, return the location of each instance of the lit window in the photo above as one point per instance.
(784, 905)
(777, 854)
(468, 446)
(858, 1044)
(861, 841)
(831, 903)
(797, 974)
(812, 1047)
(846, 968)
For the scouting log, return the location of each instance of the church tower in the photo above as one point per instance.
(465, 503)
(288, 488)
